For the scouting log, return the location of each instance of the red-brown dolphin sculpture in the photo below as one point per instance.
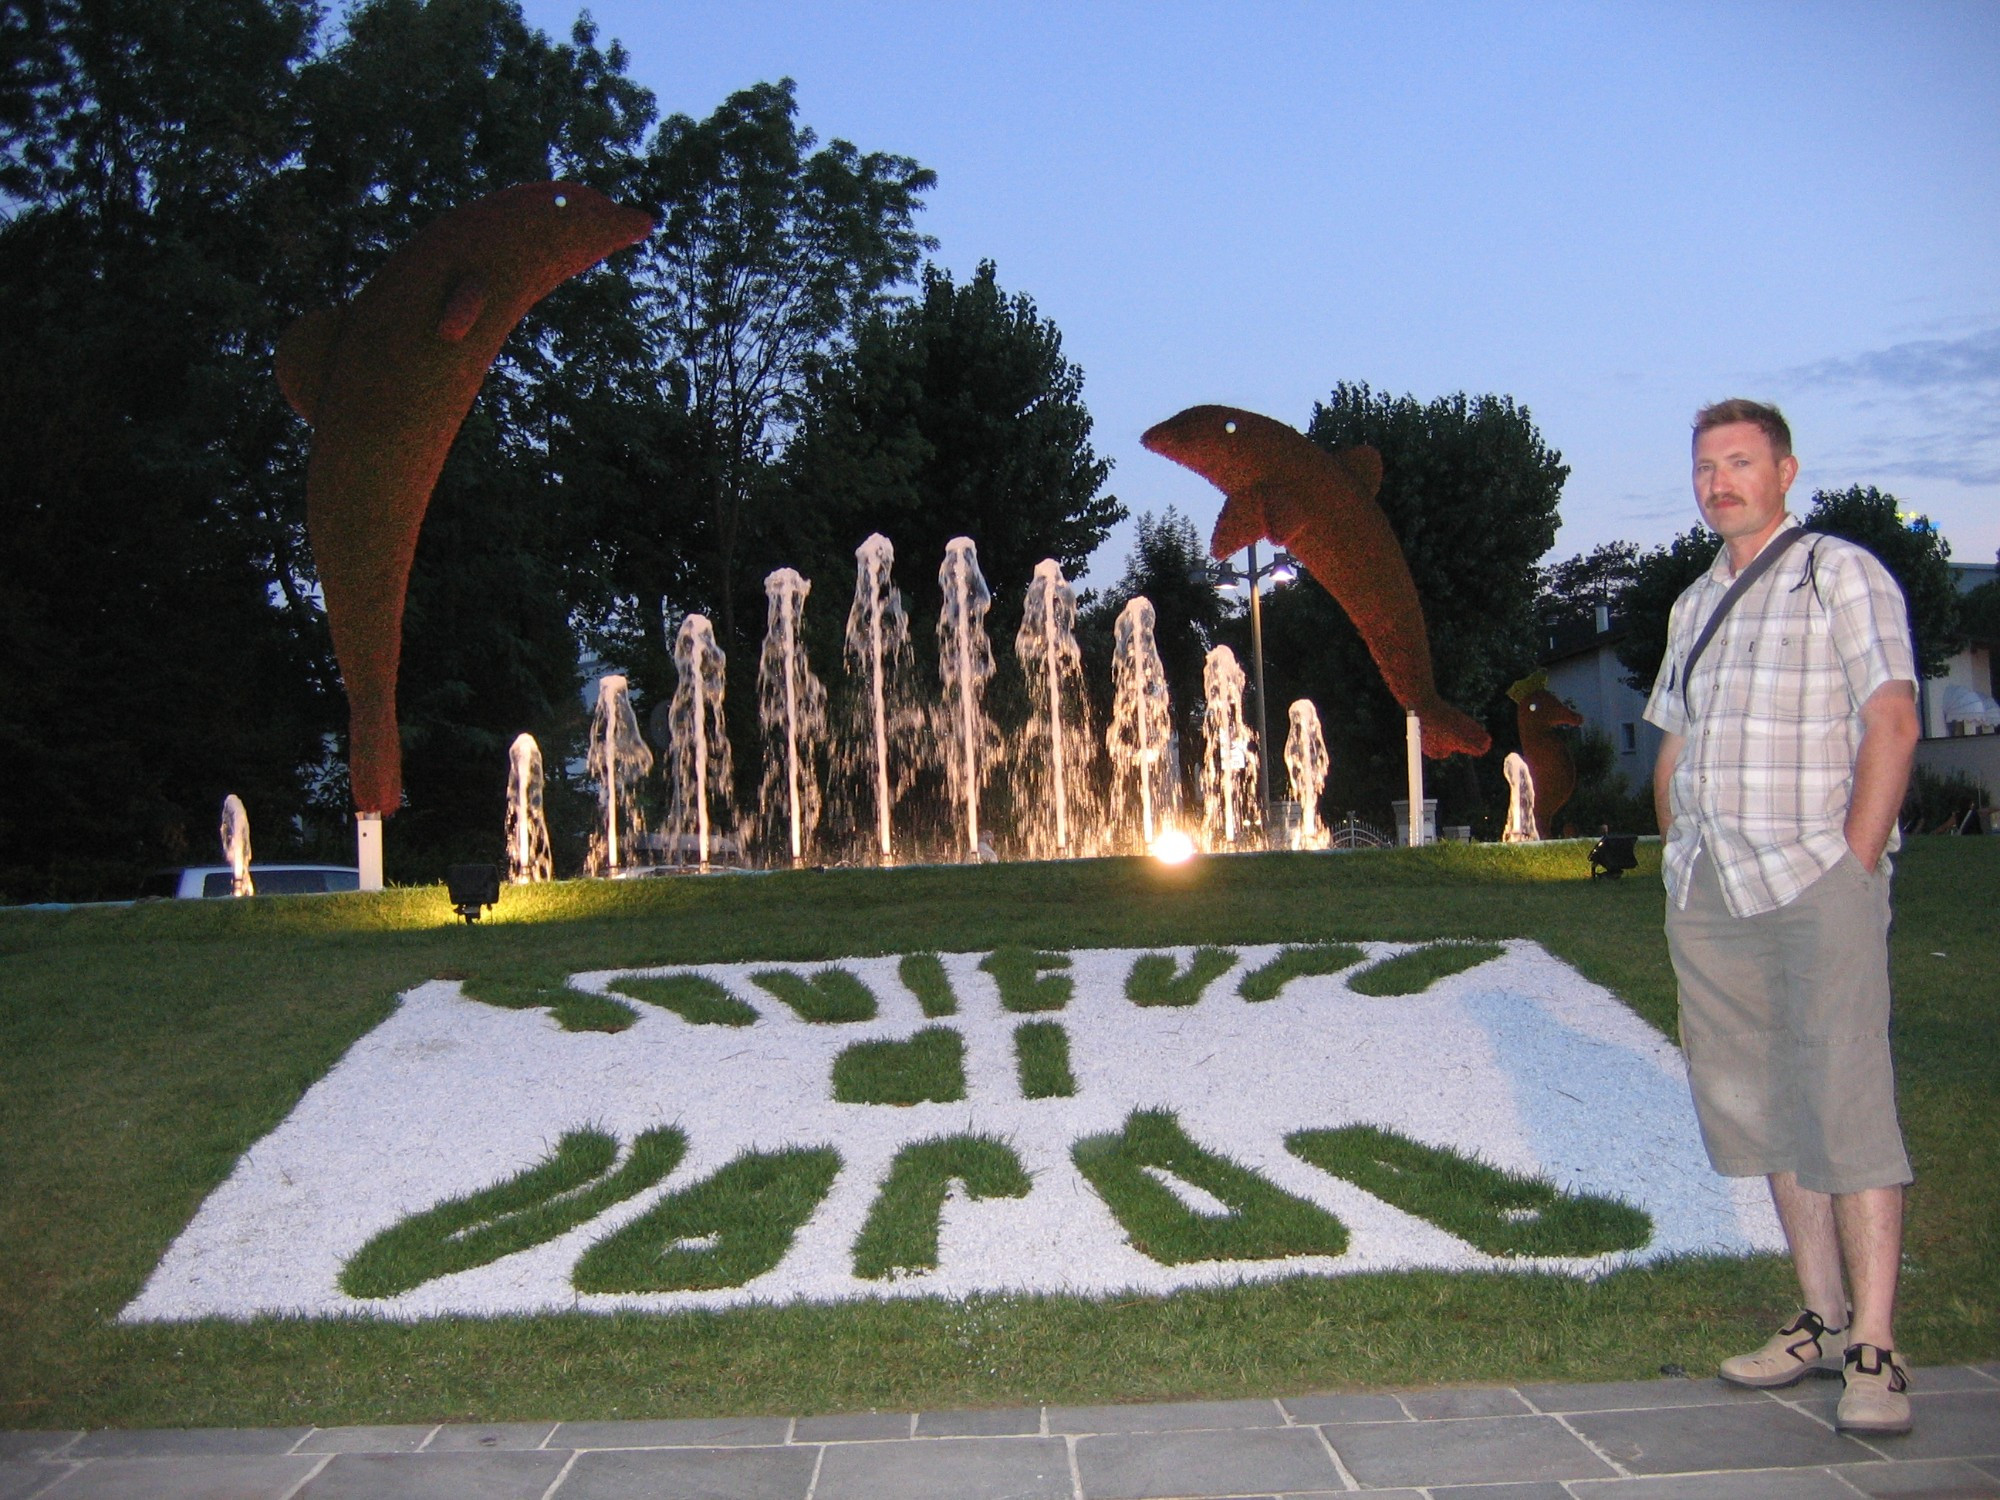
(1282, 485)
(1540, 713)
(385, 380)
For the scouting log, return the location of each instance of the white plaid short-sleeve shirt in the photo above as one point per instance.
(1771, 721)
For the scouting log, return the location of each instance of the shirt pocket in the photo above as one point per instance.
(1799, 676)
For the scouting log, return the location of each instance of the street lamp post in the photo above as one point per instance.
(1282, 569)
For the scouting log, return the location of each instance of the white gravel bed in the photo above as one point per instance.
(1519, 1061)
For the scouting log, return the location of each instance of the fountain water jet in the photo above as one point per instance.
(1229, 753)
(1055, 744)
(617, 761)
(965, 662)
(699, 751)
(528, 858)
(1520, 827)
(235, 831)
(1306, 765)
(1139, 738)
(791, 706)
(885, 741)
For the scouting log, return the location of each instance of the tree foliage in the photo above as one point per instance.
(1571, 592)
(769, 253)
(180, 184)
(956, 414)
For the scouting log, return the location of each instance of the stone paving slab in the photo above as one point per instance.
(1535, 1491)
(211, 1476)
(186, 1442)
(1691, 1439)
(1636, 1395)
(1771, 1484)
(855, 1426)
(694, 1432)
(1220, 1462)
(1015, 1421)
(21, 1479)
(692, 1474)
(1166, 1416)
(1950, 1424)
(1345, 1408)
(1922, 1479)
(1020, 1468)
(32, 1443)
(461, 1437)
(436, 1476)
(1466, 1450)
(364, 1440)
(1463, 1401)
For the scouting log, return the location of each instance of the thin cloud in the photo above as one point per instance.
(1919, 365)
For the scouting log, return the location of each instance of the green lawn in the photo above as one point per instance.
(143, 1049)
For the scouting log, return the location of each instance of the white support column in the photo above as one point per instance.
(368, 849)
(1413, 734)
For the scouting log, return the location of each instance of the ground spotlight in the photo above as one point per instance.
(472, 888)
(1173, 848)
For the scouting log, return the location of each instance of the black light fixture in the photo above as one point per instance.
(473, 888)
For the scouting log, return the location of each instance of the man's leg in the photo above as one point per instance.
(1810, 1230)
(1870, 1225)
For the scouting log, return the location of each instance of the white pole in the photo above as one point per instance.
(1414, 737)
(368, 849)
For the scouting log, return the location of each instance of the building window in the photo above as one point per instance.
(1628, 737)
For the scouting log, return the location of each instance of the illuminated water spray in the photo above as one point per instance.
(883, 745)
(528, 857)
(699, 748)
(1055, 745)
(1229, 752)
(1141, 730)
(791, 706)
(235, 831)
(1520, 827)
(1306, 764)
(618, 760)
(965, 663)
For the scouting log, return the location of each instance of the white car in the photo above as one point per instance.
(271, 880)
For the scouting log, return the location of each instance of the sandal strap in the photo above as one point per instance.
(1813, 1326)
(1857, 1359)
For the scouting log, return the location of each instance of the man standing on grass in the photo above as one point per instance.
(1790, 724)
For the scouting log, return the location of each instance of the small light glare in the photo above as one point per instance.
(1173, 848)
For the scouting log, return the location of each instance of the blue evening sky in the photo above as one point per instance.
(1612, 213)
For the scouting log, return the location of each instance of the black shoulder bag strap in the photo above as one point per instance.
(1758, 567)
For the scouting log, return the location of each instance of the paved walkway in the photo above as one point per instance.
(1642, 1440)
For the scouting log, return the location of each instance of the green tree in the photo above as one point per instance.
(1913, 551)
(954, 415)
(1570, 592)
(771, 252)
(1471, 490)
(150, 657)
(1661, 575)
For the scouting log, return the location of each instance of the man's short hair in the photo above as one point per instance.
(1768, 419)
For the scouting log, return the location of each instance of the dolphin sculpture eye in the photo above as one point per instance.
(1228, 426)
(561, 201)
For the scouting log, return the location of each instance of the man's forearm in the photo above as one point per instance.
(1663, 781)
(1889, 731)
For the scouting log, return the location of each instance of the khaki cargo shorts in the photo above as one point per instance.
(1785, 1023)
